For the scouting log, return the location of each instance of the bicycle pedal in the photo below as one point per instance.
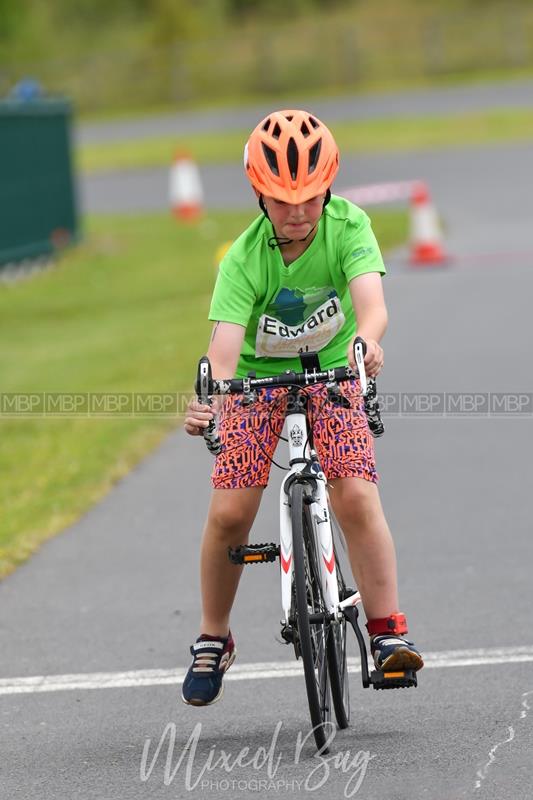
(399, 679)
(253, 553)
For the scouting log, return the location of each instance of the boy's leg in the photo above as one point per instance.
(357, 506)
(346, 450)
(230, 518)
(231, 515)
(248, 435)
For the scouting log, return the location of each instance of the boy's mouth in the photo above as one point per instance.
(297, 225)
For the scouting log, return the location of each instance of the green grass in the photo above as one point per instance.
(367, 136)
(124, 312)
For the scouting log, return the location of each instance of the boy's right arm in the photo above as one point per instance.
(223, 354)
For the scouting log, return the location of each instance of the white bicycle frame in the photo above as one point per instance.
(297, 434)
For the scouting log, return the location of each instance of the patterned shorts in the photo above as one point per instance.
(249, 435)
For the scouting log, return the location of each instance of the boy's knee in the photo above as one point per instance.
(355, 498)
(232, 514)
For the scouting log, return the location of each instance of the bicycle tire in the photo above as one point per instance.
(337, 652)
(312, 637)
(338, 673)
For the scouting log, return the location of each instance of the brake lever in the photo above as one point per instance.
(204, 392)
(368, 390)
(359, 352)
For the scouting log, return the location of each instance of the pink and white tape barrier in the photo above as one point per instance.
(375, 193)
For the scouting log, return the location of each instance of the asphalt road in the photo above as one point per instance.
(118, 592)
(444, 101)
(482, 193)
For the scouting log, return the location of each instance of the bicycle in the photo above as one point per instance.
(317, 604)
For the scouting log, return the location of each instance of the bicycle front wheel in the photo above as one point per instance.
(310, 621)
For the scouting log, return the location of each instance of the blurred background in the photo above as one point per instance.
(105, 285)
(122, 126)
(148, 54)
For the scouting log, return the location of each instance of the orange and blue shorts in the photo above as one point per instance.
(249, 435)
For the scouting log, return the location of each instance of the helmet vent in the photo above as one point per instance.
(305, 130)
(292, 158)
(314, 155)
(271, 158)
(314, 123)
(276, 133)
(266, 125)
(289, 117)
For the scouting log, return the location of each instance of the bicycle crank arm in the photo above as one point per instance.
(352, 615)
(379, 679)
(253, 553)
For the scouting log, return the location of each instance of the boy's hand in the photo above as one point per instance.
(373, 358)
(198, 416)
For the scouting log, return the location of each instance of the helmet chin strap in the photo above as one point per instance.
(279, 241)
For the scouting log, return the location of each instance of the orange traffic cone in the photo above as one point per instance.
(185, 188)
(426, 235)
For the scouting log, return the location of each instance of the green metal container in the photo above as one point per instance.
(38, 212)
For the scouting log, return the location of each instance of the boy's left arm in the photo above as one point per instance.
(371, 317)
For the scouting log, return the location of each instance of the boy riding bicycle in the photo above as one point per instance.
(304, 276)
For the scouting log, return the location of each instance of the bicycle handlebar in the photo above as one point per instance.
(288, 378)
(206, 388)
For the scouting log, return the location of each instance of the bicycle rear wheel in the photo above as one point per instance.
(309, 614)
(338, 672)
(337, 646)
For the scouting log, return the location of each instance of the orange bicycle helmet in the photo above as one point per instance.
(291, 156)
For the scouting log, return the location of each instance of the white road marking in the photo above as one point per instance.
(245, 672)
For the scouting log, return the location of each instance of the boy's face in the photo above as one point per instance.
(294, 221)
